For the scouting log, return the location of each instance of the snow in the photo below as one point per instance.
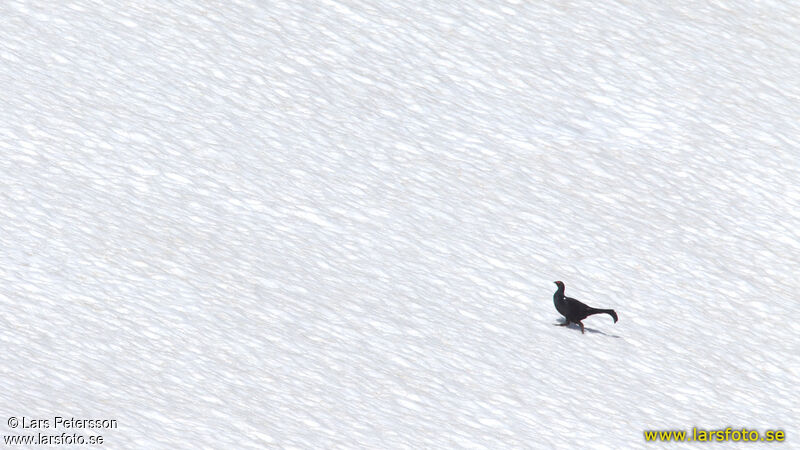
(335, 224)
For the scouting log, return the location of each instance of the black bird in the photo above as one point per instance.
(574, 310)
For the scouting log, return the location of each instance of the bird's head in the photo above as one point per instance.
(559, 283)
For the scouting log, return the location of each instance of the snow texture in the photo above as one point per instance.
(336, 223)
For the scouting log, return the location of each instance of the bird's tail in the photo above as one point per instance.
(610, 312)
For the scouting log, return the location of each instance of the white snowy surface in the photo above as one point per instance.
(335, 224)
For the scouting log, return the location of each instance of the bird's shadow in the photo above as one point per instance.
(576, 327)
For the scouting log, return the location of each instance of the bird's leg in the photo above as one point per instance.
(562, 324)
(579, 323)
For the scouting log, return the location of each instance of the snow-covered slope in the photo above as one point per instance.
(335, 224)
